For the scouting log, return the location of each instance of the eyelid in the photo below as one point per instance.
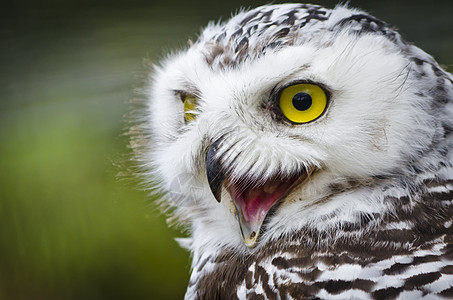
(180, 94)
(187, 92)
(280, 88)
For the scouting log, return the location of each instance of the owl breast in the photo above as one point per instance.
(381, 258)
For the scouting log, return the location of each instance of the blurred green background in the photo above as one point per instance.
(70, 228)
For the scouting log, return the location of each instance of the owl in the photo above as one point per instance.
(308, 153)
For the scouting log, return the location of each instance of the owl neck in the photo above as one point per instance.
(404, 212)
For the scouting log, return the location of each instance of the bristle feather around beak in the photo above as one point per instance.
(252, 199)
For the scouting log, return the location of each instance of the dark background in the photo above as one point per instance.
(70, 228)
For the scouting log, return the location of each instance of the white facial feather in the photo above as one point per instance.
(378, 121)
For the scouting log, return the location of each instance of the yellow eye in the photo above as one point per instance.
(303, 103)
(190, 103)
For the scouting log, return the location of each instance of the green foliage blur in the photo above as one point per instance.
(70, 227)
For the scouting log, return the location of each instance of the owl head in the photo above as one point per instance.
(287, 117)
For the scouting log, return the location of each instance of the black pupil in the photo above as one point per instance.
(302, 101)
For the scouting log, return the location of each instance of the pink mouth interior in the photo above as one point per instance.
(255, 202)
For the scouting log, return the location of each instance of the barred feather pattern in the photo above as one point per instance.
(375, 221)
(405, 252)
(406, 255)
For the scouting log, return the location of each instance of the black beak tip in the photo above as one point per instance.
(214, 172)
(217, 194)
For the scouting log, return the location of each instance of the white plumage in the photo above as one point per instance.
(346, 197)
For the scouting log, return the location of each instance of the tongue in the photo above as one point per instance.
(255, 203)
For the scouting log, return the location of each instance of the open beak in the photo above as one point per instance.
(252, 199)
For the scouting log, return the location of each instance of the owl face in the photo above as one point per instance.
(260, 124)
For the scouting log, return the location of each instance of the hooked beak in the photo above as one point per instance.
(214, 172)
(252, 199)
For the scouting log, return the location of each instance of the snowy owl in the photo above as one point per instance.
(308, 153)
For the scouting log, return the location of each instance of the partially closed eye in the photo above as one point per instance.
(190, 104)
